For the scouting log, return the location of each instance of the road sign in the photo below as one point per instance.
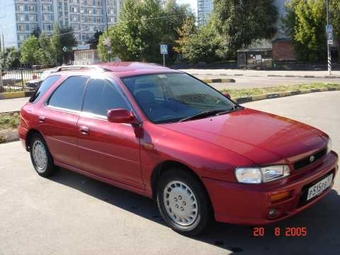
(330, 42)
(330, 36)
(164, 49)
(65, 49)
(329, 28)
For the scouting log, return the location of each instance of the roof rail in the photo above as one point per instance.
(80, 67)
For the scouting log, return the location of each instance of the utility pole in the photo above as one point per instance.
(329, 39)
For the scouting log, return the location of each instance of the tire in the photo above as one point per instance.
(175, 190)
(41, 157)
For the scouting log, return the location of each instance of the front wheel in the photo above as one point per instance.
(41, 156)
(183, 202)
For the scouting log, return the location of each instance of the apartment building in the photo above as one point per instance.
(18, 18)
(204, 8)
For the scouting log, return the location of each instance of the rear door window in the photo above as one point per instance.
(69, 95)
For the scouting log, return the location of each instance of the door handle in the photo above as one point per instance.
(41, 119)
(84, 130)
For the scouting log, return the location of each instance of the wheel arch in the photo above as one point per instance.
(161, 168)
(29, 137)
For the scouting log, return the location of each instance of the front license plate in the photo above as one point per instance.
(319, 187)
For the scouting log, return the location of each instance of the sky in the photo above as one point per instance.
(192, 3)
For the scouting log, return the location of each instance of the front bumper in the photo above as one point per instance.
(250, 203)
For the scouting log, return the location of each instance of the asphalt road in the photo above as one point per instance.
(72, 214)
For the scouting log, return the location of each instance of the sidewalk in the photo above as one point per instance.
(262, 73)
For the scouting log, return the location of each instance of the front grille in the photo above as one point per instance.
(306, 161)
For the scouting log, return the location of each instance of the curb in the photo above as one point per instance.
(11, 95)
(241, 100)
(8, 136)
(217, 80)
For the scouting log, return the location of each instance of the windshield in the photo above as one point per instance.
(173, 97)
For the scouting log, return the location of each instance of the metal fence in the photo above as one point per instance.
(16, 79)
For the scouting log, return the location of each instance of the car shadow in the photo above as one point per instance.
(320, 221)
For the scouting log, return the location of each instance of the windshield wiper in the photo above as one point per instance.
(209, 113)
(203, 114)
(234, 108)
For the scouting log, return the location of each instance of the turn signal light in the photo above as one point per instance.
(279, 196)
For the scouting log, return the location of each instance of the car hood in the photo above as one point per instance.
(261, 137)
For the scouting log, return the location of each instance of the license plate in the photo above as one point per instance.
(319, 187)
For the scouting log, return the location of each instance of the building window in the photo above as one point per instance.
(32, 17)
(47, 27)
(75, 18)
(20, 7)
(31, 8)
(46, 8)
(76, 27)
(47, 17)
(21, 27)
(22, 37)
(74, 9)
(21, 17)
(77, 36)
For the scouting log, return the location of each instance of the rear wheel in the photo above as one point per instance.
(41, 156)
(183, 202)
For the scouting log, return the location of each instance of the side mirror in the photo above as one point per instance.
(227, 95)
(121, 116)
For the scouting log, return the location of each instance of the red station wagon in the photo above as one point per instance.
(166, 135)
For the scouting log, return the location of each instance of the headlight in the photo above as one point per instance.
(329, 145)
(261, 174)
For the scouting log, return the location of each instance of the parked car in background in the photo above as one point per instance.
(35, 83)
(166, 135)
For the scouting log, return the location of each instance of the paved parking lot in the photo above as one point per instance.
(72, 214)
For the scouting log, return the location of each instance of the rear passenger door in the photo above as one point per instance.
(109, 150)
(58, 120)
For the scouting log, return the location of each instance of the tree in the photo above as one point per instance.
(36, 32)
(142, 27)
(95, 39)
(29, 51)
(9, 58)
(62, 41)
(46, 54)
(198, 44)
(239, 23)
(305, 24)
(334, 11)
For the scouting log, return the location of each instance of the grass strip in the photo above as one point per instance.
(237, 93)
(9, 120)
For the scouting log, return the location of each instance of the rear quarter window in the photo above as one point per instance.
(45, 85)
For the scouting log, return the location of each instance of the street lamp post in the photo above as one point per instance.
(329, 33)
(2, 39)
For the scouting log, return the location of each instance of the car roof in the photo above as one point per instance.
(119, 69)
